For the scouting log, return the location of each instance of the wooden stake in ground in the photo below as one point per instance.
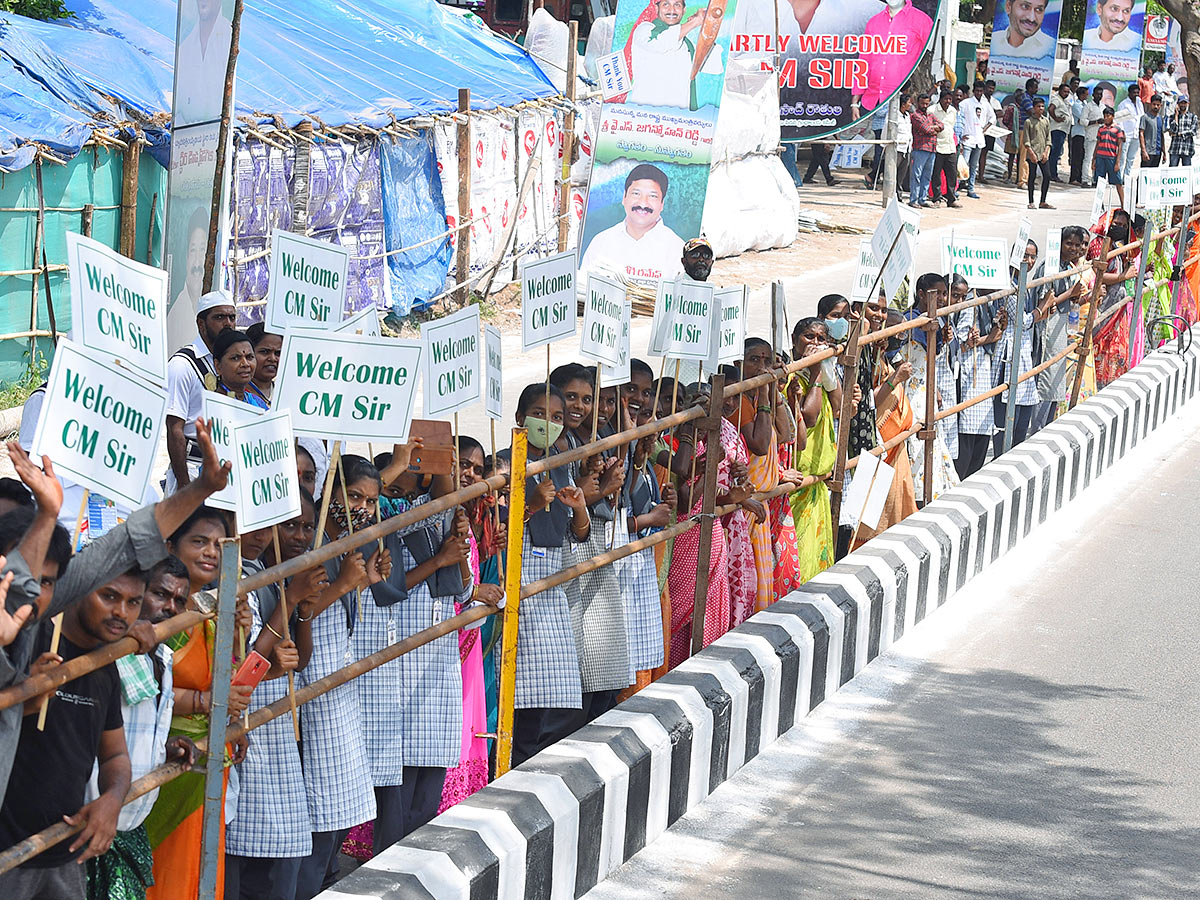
(335, 463)
(54, 639)
(283, 618)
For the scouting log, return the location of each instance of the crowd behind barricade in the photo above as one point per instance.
(381, 755)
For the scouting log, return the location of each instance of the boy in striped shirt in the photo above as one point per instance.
(1109, 141)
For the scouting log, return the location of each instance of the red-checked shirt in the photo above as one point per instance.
(925, 130)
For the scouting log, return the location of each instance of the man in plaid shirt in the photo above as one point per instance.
(1182, 128)
(925, 128)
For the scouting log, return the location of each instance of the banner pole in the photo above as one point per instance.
(283, 610)
(214, 221)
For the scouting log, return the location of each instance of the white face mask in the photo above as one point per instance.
(542, 433)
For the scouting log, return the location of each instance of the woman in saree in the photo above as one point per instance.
(1112, 340)
(743, 572)
(175, 824)
(814, 391)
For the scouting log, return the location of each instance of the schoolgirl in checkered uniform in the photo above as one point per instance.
(1027, 392)
(548, 691)
(976, 375)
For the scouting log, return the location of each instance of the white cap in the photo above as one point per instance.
(212, 300)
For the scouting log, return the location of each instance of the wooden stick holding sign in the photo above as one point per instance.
(54, 639)
(283, 618)
(335, 465)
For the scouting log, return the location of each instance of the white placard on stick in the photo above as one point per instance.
(603, 312)
(307, 287)
(660, 324)
(611, 376)
(731, 336)
(1175, 186)
(493, 392)
(1098, 198)
(868, 491)
(100, 424)
(982, 261)
(365, 321)
(898, 265)
(548, 304)
(223, 415)
(885, 232)
(118, 307)
(1024, 229)
(866, 272)
(692, 315)
(451, 346)
(349, 385)
(613, 75)
(1150, 189)
(264, 471)
(1053, 249)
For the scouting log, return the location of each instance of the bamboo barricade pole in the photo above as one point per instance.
(708, 509)
(930, 432)
(218, 716)
(1085, 345)
(287, 636)
(849, 379)
(463, 247)
(54, 639)
(568, 144)
(335, 460)
(1014, 360)
(1180, 256)
(214, 219)
(156, 778)
(512, 604)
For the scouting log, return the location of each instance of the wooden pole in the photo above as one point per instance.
(930, 432)
(568, 143)
(463, 246)
(708, 510)
(50, 315)
(849, 379)
(214, 221)
(54, 639)
(283, 609)
(334, 463)
(1085, 344)
(1017, 335)
(129, 189)
(39, 235)
(512, 605)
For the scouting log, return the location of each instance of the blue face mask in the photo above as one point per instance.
(837, 328)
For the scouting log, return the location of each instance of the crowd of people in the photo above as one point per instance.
(383, 754)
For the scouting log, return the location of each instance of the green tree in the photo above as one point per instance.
(37, 9)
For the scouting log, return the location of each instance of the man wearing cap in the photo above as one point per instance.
(190, 372)
(698, 259)
(640, 247)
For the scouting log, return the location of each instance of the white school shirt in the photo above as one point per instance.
(658, 254)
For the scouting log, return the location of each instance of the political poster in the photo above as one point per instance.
(100, 424)
(1158, 28)
(982, 261)
(493, 393)
(364, 321)
(203, 36)
(118, 307)
(1024, 38)
(1112, 40)
(264, 471)
(730, 338)
(548, 304)
(451, 353)
(307, 286)
(1176, 65)
(223, 415)
(654, 145)
(603, 313)
(838, 61)
(353, 386)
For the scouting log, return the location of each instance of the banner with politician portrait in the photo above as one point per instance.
(654, 146)
(1112, 40)
(839, 60)
(1024, 38)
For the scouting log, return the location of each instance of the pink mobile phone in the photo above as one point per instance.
(252, 670)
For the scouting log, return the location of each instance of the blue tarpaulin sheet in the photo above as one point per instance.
(352, 61)
(29, 113)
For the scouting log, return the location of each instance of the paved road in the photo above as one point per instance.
(1035, 739)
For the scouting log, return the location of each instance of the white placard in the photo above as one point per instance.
(661, 322)
(603, 313)
(1024, 229)
(898, 265)
(1053, 250)
(613, 74)
(365, 321)
(493, 392)
(548, 301)
(1175, 186)
(223, 415)
(307, 287)
(1150, 189)
(1196, 178)
(1098, 198)
(780, 339)
(611, 376)
(118, 307)
(452, 363)
(868, 491)
(865, 274)
(100, 424)
(885, 232)
(264, 470)
(982, 261)
(692, 318)
(730, 338)
(348, 385)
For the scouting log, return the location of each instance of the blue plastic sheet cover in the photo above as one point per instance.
(351, 61)
(414, 211)
(28, 113)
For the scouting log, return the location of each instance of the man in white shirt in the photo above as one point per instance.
(1112, 33)
(1094, 113)
(190, 372)
(641, 247)
(945, 165)
(1167, 87)
(1059, 113)
(1129, 117)
(1023, 38)
(661, 57)
(977, 117)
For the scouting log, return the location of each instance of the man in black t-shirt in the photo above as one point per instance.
(52, 767)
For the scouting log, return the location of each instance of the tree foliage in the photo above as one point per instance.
(36, 9)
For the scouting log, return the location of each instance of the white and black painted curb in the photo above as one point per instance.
(557, 825)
